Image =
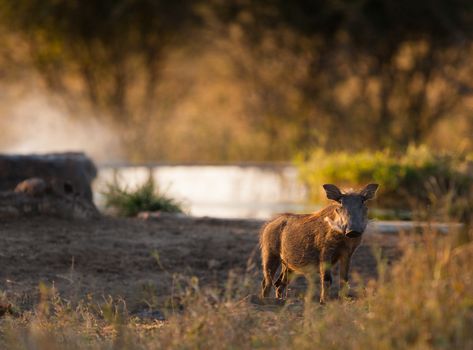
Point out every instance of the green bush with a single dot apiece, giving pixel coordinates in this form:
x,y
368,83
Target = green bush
x,y
145,198
418,179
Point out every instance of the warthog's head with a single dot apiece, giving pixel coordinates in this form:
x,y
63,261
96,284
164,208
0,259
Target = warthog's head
x,y
351,217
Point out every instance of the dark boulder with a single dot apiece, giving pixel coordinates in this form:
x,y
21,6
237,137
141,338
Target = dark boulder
x,y
52,185
65,172
17,204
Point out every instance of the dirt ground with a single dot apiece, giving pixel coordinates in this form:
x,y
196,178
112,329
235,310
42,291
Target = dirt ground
x,y
140,260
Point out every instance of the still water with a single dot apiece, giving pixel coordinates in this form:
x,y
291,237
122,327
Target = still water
x,y
227,191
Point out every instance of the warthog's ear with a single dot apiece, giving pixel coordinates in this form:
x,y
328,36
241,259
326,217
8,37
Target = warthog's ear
x,y
332,192
369,191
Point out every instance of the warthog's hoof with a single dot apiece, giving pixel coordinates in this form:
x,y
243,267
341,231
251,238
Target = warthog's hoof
x,y
258,300
6,308
347,295
155,315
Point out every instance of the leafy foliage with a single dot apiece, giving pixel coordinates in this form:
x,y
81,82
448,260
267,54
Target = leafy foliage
x,y
416,178
145,198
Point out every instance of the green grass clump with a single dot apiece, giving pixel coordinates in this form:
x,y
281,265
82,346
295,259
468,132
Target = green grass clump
x,y
418,178
145,198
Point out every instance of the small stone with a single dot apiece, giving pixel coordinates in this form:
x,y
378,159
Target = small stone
x,y
213,264
155,315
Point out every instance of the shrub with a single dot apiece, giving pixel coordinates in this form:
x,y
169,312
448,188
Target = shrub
x,y
145,198
443,183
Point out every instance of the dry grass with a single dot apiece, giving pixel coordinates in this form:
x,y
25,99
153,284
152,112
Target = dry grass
x,y
425,301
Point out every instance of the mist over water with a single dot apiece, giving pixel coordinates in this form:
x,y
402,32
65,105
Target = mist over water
x,y
36,125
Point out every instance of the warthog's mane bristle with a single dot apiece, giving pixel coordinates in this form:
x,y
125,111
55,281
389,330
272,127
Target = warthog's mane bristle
x,y
350,191
320,213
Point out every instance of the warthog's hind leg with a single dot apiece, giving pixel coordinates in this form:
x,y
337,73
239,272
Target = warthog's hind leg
x,y
282,282
270,266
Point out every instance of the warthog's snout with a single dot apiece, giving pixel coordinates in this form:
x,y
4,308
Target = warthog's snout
x,y
355,229
353,234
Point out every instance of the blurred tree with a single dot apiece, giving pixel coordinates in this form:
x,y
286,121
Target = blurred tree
x,y
340,74
377,73
105,53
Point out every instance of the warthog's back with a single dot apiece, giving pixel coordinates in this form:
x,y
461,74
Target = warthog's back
x,y
303,238
294,236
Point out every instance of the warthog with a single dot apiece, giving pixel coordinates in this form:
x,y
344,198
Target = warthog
x,y
307,243
34,186
37,187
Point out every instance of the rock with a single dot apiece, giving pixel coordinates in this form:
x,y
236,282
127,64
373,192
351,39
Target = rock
x,y
158,215
213,264
52,185
17,204
64,172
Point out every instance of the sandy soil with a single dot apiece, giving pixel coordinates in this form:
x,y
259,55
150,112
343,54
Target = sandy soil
x,y
139,259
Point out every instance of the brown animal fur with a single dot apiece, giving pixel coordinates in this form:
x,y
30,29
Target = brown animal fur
x,y
34,186
307,243
37,187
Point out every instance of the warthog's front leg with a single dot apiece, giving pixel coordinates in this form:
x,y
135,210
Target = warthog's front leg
x,y
325,279
345,260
